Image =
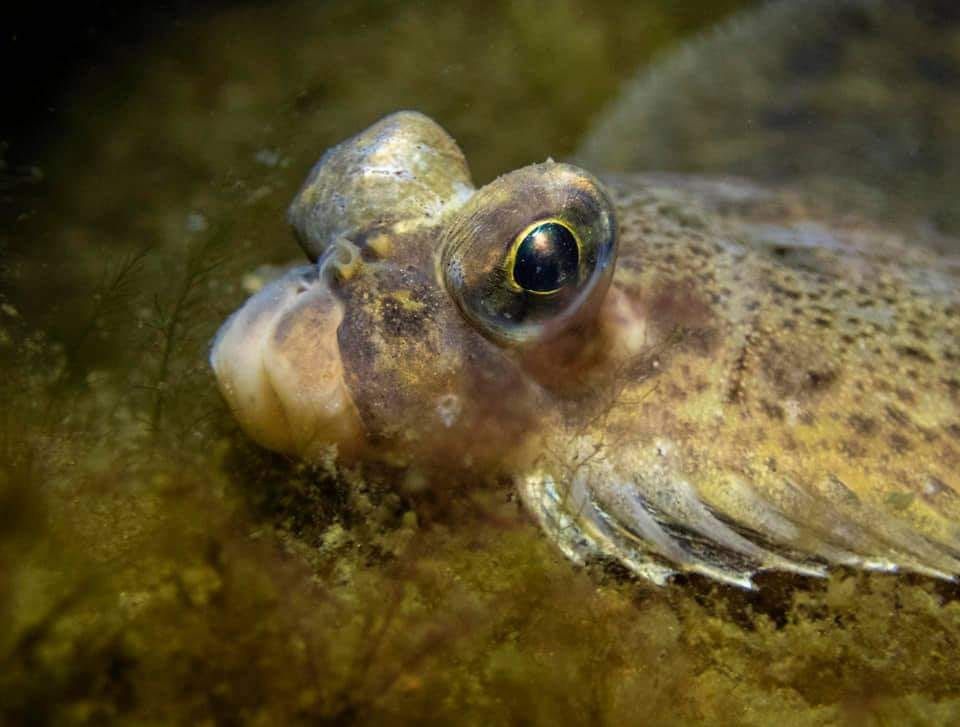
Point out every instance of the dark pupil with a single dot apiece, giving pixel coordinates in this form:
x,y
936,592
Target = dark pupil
x,y
546,259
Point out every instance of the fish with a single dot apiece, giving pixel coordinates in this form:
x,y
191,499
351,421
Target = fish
x,y
680,372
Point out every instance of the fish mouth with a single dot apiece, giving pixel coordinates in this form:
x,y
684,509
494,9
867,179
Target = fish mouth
x,y
278,365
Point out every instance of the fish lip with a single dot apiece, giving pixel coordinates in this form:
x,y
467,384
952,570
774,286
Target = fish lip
x,y
278,365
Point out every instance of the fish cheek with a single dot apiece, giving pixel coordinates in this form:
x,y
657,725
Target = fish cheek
x,y
429,389
508,408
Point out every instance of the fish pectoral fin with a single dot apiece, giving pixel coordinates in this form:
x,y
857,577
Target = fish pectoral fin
x,y
656,510
660,524
591,518
827,523
570,519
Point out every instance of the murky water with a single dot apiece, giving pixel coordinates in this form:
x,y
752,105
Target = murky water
x,y
156,567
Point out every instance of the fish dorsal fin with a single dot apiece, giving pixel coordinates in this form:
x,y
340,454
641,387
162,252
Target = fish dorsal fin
x,y
858,99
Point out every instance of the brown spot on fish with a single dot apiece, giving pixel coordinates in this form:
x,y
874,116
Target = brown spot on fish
x,y
864,425
897,416
916,353
899,443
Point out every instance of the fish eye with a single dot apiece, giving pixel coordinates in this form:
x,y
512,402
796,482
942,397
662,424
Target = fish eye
x,y
544,257
531,254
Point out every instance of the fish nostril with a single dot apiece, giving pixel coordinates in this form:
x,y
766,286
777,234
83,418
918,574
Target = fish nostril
x,y
341,258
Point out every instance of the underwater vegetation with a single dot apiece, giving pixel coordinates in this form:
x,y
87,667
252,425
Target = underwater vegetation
x,y
158,568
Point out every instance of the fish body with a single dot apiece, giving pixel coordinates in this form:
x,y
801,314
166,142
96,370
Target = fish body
x,y
786,395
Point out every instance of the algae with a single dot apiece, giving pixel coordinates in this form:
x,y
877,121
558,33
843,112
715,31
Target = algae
x,y
157,568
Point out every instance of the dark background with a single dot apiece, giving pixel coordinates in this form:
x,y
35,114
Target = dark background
x,y
45,49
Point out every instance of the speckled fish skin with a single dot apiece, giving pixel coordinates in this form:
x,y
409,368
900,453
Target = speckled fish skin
x,y
795,400
829,422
